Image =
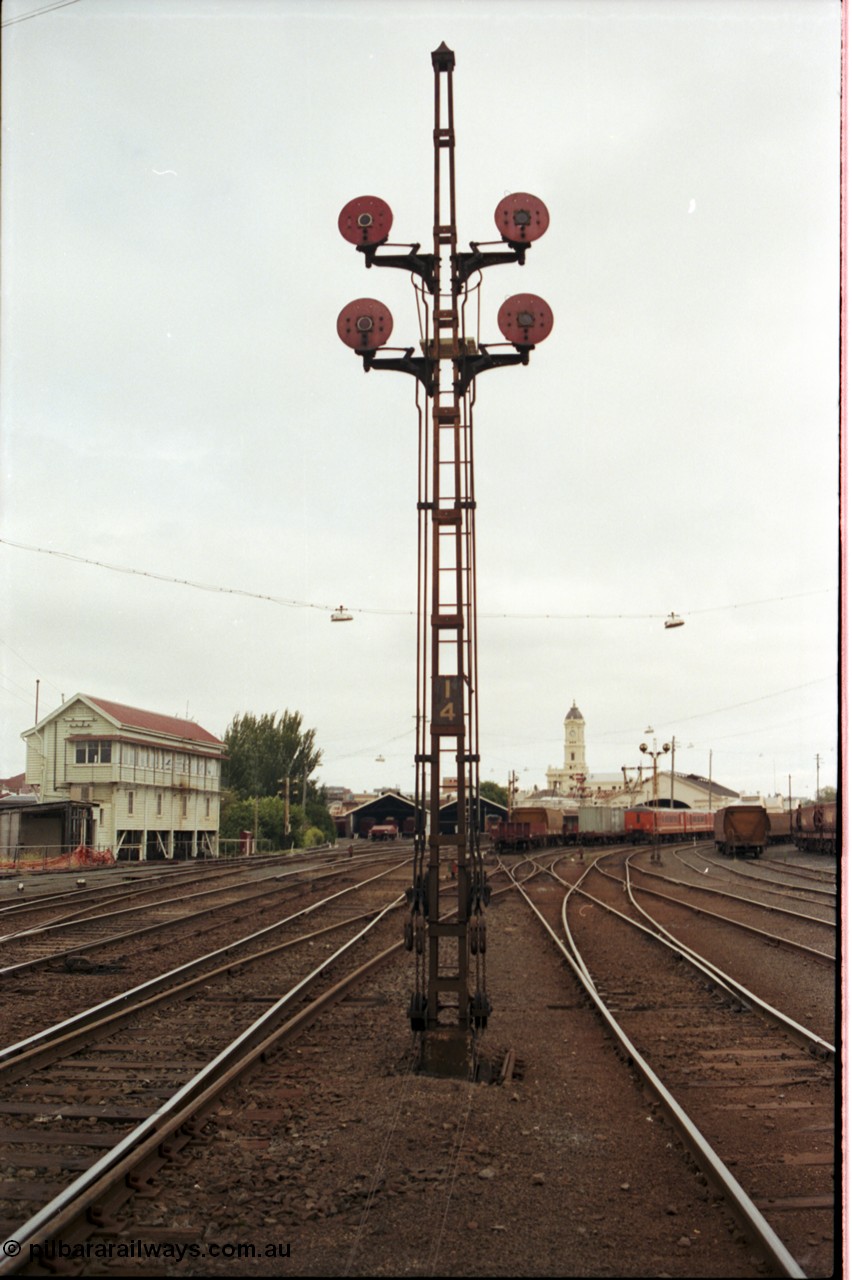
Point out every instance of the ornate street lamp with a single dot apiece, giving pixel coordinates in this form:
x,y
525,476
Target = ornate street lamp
x,y
655,754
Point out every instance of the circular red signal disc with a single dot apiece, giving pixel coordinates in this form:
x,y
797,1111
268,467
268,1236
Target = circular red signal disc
x,y
365,324
521,218
365,220
525,319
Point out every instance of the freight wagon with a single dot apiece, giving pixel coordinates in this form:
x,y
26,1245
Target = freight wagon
x,y
599,824
781,826
815,827
642,825
742,828
530,827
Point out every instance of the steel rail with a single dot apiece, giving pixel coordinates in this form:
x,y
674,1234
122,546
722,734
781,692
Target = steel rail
x,y
137,997
703,1153
68,1042
716,975
787,943
799,869
144,881
133,876
201,1090
782,1019
735,897
79,917
103,897
774,886
95,944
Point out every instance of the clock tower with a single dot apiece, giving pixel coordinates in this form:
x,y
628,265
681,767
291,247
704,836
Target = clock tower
x,y
575,743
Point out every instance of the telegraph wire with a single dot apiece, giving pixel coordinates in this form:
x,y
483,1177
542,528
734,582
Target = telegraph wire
x,y
701,715
407,613
37,13
163,577
13,692
27,663
685,613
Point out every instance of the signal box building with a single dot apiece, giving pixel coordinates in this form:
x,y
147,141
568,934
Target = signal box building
x,y
153,780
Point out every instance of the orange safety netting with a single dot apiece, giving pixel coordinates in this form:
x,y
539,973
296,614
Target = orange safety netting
x,y
69,860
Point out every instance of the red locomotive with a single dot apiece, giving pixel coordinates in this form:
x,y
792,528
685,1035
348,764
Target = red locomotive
x,y
387,830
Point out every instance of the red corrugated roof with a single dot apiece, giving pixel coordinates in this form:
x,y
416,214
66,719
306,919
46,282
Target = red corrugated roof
x,y
134,718
16,785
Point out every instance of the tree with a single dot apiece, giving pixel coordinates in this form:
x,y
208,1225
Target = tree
x,y
493,791
240,814
827,794
264,749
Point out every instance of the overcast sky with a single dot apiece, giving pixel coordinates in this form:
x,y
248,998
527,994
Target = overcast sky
x,y
176,400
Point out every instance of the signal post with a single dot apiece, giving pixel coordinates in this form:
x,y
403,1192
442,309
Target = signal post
x,y
446,930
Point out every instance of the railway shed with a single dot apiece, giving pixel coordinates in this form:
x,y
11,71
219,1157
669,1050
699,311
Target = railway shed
x,y
487,809
29,829
392,806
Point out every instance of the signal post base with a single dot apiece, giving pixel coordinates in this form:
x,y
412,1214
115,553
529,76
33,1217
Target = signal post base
x,y
447,1052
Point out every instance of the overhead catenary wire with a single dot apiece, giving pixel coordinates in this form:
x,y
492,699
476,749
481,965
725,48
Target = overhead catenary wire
x,y
386,612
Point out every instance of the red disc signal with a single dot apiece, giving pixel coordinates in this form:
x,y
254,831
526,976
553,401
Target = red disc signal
x,y
521,217
365,220
525,319
365,324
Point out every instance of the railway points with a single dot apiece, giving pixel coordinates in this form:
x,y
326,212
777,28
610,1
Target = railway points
x,y
333,1141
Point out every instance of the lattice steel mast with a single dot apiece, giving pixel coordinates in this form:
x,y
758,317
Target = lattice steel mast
x,y
450,998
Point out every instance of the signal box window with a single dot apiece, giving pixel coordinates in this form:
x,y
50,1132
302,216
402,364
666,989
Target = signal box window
x,y
93,753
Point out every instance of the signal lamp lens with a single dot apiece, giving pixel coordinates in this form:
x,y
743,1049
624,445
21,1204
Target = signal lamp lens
x,y
521,218
365,324
525,319
366,220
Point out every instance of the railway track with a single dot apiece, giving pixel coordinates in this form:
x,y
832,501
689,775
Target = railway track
x,y
780,926
785,956
106,1094
820,870
765,883
104,917
64,939
370,1169
755,1106
372,1172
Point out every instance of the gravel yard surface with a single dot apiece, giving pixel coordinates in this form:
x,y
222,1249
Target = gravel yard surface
x,y
337,1150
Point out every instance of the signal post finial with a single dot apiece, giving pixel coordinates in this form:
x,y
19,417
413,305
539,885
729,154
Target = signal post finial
x,y
443,59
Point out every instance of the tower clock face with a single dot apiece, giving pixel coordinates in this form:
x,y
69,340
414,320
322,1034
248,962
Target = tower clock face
x,y
572,736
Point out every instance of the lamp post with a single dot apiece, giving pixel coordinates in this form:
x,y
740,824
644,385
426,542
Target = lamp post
x,y
674,744
655,754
